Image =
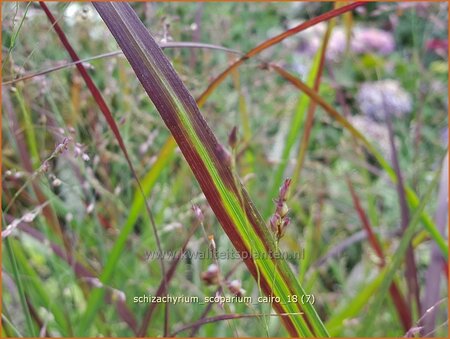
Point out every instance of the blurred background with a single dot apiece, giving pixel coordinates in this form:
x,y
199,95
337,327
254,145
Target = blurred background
x,y
68,191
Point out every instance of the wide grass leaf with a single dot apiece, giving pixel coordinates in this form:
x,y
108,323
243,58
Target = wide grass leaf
x,y
209,162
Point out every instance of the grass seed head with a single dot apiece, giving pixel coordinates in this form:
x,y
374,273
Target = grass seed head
x,y
279,220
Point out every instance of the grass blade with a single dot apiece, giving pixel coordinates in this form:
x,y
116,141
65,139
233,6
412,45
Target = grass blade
x,y
352,309
397,297
410,261
208,160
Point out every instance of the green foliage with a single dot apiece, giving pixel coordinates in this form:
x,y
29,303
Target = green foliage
x,y
97,204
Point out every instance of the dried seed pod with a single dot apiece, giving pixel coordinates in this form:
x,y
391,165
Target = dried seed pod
x,y
56,182
211,275
235,287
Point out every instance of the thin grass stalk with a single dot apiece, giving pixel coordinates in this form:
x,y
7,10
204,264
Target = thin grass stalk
x,y
12,43
32,282
29,129
43,331
9,325
296,123
28,166
163,45
245,125
308,238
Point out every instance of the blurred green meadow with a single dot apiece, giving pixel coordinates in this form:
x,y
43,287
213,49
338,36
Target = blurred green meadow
x,y
67,189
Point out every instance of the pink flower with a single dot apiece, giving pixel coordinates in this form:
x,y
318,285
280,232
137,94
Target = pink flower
x,y
385,97
363,40
372,40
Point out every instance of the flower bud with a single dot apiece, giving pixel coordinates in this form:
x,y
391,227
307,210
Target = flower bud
x,y
235,288
211,276
198,213
275,222
284,189
282,209
232,138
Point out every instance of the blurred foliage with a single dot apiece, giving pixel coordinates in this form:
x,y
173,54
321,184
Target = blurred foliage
x,y
95,189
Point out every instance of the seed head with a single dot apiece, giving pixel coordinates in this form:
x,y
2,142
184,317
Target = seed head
x,y
235,287
279,220
211,275
284,189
